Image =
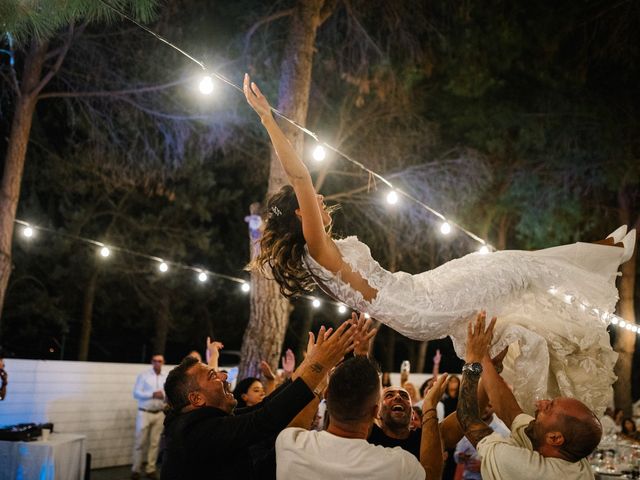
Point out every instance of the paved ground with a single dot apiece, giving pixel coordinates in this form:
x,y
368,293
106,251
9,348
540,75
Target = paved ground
x,y
113,473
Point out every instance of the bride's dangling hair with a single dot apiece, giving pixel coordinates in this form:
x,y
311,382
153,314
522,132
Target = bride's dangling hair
x,y
282,245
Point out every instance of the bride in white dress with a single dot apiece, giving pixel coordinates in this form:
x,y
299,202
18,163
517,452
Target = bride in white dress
x,y
551,304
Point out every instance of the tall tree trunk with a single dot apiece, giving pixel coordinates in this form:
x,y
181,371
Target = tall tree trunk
x,y
421,358
16,153
87,316
269,314
161,327
625,343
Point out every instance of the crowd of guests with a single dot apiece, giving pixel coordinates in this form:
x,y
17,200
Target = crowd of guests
x,y
332,417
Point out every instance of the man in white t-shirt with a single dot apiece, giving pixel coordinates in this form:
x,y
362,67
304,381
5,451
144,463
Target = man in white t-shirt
x,y
553,445
342,451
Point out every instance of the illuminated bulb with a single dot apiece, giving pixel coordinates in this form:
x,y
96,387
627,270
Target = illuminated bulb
x,y
163,267
202,277
245,287
342,309
483,250
392,197
628,326
319,153
445,228
105,252
315,303
614,320
622,323
367,316
206,85
634,329
27,232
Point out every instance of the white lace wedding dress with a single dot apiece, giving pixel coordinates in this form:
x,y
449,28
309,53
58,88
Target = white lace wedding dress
x,y
551,306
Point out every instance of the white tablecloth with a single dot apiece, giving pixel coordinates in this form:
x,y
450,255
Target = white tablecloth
x,y
62,457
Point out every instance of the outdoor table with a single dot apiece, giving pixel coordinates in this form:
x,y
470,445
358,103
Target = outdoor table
x,y
61,457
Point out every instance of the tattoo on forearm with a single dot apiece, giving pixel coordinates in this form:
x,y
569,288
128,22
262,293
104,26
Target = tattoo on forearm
x,y
316,368
469,413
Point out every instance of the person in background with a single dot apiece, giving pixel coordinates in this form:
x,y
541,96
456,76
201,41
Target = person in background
x,y
249,392
149,392
629,430
609,426
4,380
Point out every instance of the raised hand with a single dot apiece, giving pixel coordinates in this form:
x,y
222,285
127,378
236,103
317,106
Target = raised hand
x,y
437,357
364,334
330,347
479,338
266,371
288,362
255,98
213,352
433,395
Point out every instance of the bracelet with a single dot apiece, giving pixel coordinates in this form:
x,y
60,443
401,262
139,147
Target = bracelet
x,y
425,420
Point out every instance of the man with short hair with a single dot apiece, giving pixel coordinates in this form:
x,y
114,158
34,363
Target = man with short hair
x,y
342,451
553,444
149,392
206,438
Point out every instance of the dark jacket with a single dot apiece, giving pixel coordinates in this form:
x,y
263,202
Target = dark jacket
x,y
210,444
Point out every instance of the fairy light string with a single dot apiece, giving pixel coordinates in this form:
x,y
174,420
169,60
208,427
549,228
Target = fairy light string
x,y
311,134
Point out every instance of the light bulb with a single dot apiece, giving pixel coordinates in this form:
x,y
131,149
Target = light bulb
x,y
206,85
614,320
367,316
163,267
342,309
483,250
245,287
105,252
622,323
392,197
315,303
628,326
27,232
445,228
319,153
202,277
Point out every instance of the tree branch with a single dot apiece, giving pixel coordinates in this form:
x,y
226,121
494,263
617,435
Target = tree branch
x,y
262,21
58,63
112,93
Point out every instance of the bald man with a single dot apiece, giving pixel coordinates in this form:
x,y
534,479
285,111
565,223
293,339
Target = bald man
x,y
553,444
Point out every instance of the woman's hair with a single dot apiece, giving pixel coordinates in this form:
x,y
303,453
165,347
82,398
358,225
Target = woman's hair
x,y
282,245
624,425
243,387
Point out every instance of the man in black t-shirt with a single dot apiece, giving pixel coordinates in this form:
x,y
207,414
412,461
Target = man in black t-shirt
x,y
395,419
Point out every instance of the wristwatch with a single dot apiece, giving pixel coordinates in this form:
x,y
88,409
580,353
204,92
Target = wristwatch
x,y
474,368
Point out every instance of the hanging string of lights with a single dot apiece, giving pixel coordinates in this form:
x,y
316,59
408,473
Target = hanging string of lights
x,y
29,232
206,87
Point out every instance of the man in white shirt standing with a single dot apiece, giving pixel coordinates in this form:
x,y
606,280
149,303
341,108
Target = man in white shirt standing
x,y
342,451
149,392
553,445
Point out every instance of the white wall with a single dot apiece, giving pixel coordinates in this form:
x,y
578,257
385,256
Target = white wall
x,y
93,399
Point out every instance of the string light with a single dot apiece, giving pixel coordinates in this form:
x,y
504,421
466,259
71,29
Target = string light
x,y
445,228
483,250
206,85
319,153
342,309
163,267
105,252
27,232
313,135
202,277
245,287
316,303
392,197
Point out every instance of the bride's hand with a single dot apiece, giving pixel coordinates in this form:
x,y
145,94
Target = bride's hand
x,y
255,98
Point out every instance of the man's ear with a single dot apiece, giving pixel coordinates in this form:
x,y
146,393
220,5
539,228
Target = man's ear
x,y
297,212
196,399
555,439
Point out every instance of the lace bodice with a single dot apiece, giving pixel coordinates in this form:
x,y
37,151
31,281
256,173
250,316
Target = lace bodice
x,y
557,344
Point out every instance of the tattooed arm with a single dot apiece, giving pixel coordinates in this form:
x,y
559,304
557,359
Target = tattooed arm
x,y
478,341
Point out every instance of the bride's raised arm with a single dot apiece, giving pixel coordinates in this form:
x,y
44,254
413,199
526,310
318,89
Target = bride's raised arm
x,y
312,225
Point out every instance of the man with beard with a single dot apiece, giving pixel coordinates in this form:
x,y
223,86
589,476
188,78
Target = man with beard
x,y
554,444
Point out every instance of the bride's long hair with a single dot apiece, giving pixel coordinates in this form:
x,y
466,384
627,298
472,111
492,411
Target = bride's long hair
x,y
282,245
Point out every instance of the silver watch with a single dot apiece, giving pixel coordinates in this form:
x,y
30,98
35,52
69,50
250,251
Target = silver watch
x,y
474,368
